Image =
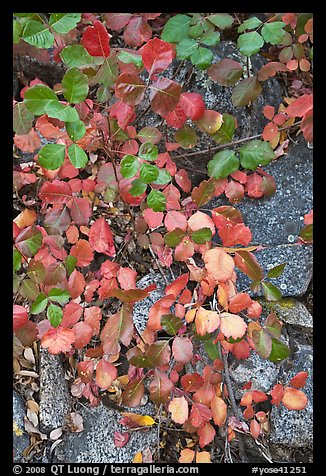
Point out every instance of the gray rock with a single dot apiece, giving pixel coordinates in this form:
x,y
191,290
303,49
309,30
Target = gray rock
x,y
96,443
141,308
19,442
294,280
295,428
55,399
291,312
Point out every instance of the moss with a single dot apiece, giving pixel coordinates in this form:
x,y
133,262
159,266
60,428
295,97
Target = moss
x,y
284,303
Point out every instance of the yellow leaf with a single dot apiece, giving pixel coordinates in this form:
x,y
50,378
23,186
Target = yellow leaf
x,y
141,420
203,457
16,429
138,458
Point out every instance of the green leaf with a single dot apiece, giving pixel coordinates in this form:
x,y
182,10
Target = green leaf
x,y
226,131
52,156
246,91
186,137
129,166
176,29
138,188
103,94
28,289
280,351
39,304
223,164
221,20
70,264
196,30
156,200
276,271
273,325
59,295
271,292
211,349
171,324
163,178
75,55
128,58
38,97
201,236
64,22
255,153
75,86
250,43
174,237
148,151
77,156
273,32
263,343
17,31
210,38
202,58
62,112
186,48
148,173
22,118
55,315
37,34
107,73
307,233
249,24
17,260
75,130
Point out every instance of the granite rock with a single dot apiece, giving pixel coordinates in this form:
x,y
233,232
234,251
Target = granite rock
x,y
291,312
95,444
22,441
55,399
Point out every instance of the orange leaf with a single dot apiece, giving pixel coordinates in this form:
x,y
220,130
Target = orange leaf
x,y
254,428
206,321
299,380
219,264
138,458
105,374
72,234
83,252
28,142
294,399
219,410
179,409
203,457
201,220
58,340
26,218
206,435
232,325
186,456
141,420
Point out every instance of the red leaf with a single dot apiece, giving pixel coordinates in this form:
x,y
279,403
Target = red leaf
x,y
253,185
254,310
116,21
219,264
307,126
241,350
172,196
28,142
131,295
239,302
105,373
205,192
72,234
201,220
234,191
300,106
20,316
164,96
123,113
83,252
127,278
58,340
96,40
176,118
177,286
93,317
259,396
161,307
239,176
175,220
247,262
199,415
160,387
55,192
72,312
238,234
182,179
192,382
121,439
130,88
80,210
206,321
76,284
206,435
254,428
133,393
153,219
27,334
186,456
137,32
182,349
179,409
225,72
270,69
277,394
101,238
269,112
83,334
299,380
192,105
157,55
226,215
85,370
118,328
184,250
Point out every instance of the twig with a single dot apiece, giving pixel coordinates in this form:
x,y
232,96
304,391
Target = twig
x,y
158,265
158,432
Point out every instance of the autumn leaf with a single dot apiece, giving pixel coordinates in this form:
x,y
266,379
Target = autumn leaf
x,y
58,339
105,373
203,457
182,349
157,55
83,252
160,387
232,325
20,316
255,428
206,435
101,238
141,420
206,321
186,455
95,40
179,409
219,410
118,328
200,414
294,399
299,380
218,264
